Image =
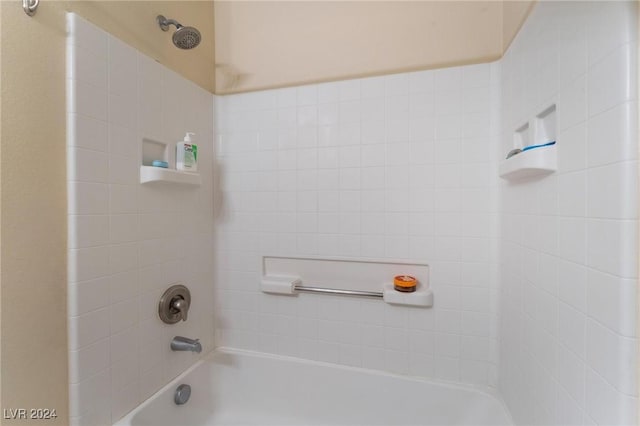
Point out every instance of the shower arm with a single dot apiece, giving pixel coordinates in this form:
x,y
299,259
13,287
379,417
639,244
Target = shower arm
x,y
164,23
30,6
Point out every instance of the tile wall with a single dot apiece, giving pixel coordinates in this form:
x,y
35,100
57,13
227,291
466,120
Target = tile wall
x,y
569,250
534,281
395,167
128,242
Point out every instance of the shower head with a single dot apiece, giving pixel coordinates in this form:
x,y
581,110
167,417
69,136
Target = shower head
x,y
184,37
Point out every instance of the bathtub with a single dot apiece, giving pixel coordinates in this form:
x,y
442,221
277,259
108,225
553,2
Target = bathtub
x,y
231,387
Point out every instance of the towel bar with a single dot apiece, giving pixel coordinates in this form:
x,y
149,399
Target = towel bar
x,y
305,289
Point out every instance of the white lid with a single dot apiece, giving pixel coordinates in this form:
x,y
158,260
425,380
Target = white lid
x,y
187,137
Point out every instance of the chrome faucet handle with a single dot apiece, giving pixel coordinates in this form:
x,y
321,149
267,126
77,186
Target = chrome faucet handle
x,y
174,304
182,306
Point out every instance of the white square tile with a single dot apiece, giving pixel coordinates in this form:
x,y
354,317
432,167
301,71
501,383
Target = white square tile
x,y
349,156
307,115
348,90
571,153
372,113
572,329
476,76
448,102
87,100
349,111
88,328
572,284
447,368
88,231
349,134
447,79
572,104
124,315
88,296
88,263
125,400
572,194
397,84
122,286
372,88
124,372
328,114
610,80
123,257
396,107
571,374
612,356
123,170
122,111
612,191
88,361
609,26
397,130
421,82
87,35
572,49
123,199
123,68
307,95
123,141
569,413
448,127
89,394
615,126
608,248
572,239
606,405
610,301
86,132
125,344
84,65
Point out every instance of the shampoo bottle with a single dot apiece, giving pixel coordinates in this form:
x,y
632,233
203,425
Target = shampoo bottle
x,y
187,154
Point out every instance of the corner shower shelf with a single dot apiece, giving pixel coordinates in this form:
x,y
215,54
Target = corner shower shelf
x,y
150,174
531,163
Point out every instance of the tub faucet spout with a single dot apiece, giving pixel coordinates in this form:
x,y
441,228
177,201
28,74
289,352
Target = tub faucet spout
x,y
180,343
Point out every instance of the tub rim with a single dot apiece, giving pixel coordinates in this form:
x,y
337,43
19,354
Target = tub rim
x,y
491,393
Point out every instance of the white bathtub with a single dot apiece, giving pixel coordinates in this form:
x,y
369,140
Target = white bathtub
x,y
232,387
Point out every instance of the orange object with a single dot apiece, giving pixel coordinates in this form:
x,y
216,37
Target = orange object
x,y
405,283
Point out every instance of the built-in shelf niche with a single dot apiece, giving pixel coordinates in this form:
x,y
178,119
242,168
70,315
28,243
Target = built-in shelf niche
x,y
533,162
153,150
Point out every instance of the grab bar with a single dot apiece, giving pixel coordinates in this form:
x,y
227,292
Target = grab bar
x,y
304,289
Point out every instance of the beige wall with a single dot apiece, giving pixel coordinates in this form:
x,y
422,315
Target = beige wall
x,y
266,44
32,178
32,221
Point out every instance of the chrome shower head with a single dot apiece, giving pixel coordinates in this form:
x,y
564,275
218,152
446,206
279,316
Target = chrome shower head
x,y
184,37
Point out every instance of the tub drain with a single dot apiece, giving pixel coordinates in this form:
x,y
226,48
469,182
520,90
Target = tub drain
x,y
183,392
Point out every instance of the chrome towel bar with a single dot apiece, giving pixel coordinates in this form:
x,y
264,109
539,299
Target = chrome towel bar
x,y
303,289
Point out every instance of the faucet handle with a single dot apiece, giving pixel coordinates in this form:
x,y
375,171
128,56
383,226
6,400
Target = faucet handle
x,y
174,304
182,306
